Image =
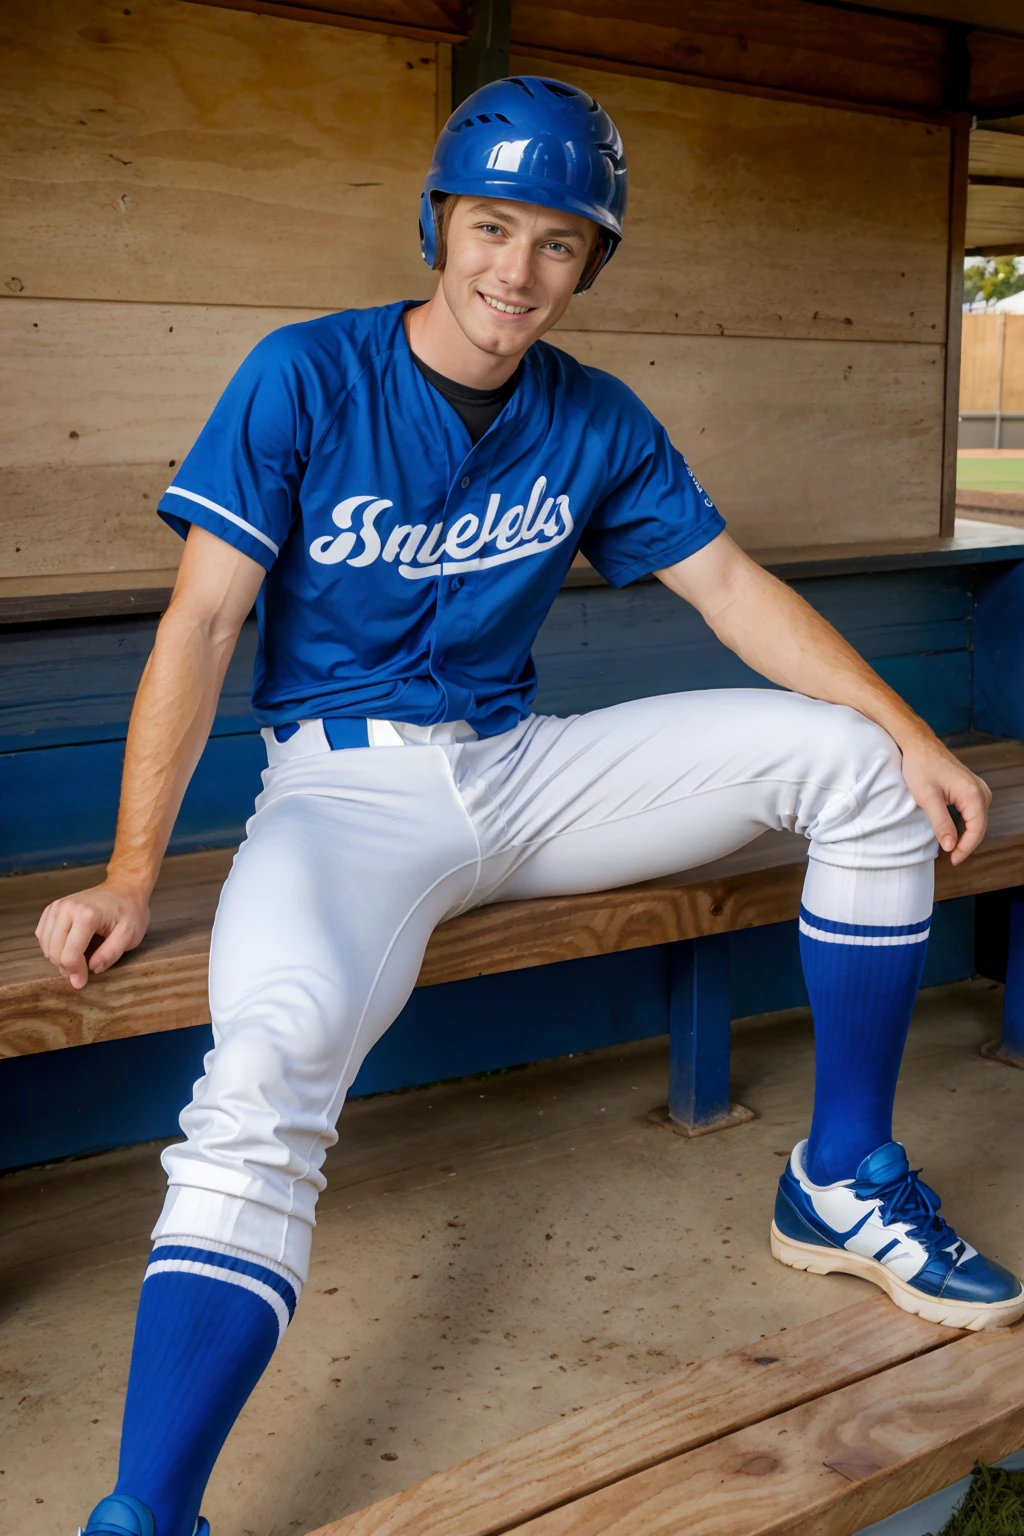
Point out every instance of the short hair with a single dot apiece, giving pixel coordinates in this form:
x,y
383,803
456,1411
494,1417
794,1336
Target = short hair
x,y
444,204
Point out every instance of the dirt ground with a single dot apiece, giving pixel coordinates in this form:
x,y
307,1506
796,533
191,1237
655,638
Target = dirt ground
x,y
491,1254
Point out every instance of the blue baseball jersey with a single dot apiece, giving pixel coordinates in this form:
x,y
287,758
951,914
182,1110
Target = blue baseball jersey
x,y
408,571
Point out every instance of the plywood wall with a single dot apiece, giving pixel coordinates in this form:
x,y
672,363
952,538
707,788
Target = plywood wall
x,y
176,180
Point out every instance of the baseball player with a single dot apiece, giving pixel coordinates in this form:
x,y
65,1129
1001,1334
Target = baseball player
x,y
401,491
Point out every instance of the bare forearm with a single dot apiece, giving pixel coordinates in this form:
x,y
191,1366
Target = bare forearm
x,y
774,631
779,634
174,709
171,720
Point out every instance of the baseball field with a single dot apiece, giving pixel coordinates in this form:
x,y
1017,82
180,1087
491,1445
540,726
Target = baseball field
x,y
1004,473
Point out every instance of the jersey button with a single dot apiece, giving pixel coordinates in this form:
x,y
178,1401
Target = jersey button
x,y
465,481
457,584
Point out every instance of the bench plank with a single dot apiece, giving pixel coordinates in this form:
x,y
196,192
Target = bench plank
x,y
163,984
830,1466
620,1437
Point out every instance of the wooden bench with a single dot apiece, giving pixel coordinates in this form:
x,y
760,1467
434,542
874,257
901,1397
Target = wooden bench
x,y
163,984
817,1431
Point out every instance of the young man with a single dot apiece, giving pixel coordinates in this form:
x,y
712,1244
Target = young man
x,y
401,491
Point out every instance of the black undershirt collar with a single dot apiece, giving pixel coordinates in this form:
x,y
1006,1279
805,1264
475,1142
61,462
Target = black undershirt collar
x,y
478,409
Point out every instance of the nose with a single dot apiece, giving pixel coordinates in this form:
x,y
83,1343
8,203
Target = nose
x,y
514,266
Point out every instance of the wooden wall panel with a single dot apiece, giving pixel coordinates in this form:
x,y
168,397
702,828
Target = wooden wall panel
x,y
168,152
229,172
253,177
61,520
768,218
979,363
89,384
800,441
98,403
797,442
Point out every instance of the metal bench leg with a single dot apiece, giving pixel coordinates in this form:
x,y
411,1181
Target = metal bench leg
x,y
699,1040
1010,1049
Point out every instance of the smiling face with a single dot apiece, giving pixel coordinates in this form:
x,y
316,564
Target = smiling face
x,y
510,270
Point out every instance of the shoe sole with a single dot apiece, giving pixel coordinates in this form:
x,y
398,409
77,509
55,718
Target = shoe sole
x,y
955,1314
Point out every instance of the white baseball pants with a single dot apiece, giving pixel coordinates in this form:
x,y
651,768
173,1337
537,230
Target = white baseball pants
x,y
353,857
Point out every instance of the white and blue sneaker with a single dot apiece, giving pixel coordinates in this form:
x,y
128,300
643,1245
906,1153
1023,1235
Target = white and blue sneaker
x,y
884,1225
121,1515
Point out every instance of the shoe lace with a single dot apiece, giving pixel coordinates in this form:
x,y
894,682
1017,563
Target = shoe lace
x,y
907,1199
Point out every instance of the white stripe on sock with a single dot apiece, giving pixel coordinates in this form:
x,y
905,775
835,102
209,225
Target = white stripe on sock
x,y
230,1277
232,1251
884,940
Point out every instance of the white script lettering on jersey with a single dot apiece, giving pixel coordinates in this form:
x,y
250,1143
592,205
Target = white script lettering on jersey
x,y
515,534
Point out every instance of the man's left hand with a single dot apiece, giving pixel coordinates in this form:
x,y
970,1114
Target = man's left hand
x,y
938,780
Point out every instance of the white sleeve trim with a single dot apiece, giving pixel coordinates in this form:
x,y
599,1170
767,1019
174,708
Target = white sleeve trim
x,y
232,517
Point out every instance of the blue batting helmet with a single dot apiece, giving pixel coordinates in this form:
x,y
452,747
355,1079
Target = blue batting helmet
x,y
535,141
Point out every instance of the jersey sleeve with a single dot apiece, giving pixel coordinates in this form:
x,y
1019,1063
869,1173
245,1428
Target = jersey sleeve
x,y
241,480
657,511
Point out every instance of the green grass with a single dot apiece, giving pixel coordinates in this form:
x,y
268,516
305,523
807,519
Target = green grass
x,y
991,474
992,1506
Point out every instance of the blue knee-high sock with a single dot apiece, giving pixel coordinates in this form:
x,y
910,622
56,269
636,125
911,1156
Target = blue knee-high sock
x,y
862,979
209,1320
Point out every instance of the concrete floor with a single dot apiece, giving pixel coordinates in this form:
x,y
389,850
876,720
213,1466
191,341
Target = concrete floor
x,y
490,1255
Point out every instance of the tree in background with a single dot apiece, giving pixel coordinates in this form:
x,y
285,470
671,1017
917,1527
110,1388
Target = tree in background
x,y
989,278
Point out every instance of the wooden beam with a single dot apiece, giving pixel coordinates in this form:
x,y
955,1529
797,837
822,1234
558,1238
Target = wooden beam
x,y
109,594
997,74
959,146
789,48
91,595
433,21
996,154
484,55
612,1440
995,218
